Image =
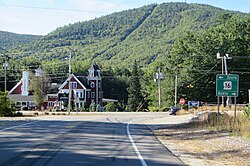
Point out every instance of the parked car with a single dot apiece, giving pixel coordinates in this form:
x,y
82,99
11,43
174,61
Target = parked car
x,y
174,109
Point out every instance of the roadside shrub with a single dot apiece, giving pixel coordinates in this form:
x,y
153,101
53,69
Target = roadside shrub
x,y
83,109
110,107
242,126
247,111
92,107
239,127
153,109
7,108
98,108
226,122
164,109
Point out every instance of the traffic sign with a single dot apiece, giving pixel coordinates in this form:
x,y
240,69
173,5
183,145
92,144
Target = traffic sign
x,y
182,101
227,85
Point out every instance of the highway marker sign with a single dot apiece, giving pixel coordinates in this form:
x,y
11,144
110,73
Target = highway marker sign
x,y
227,85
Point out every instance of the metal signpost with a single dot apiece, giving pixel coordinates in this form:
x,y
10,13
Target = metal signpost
x,y
227,86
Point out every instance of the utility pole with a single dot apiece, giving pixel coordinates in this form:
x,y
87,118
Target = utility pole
x,y
5,74
224,58
159,86
175,96
5,65
159,76
69,102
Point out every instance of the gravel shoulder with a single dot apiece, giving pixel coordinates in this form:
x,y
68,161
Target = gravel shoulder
x,y
197,146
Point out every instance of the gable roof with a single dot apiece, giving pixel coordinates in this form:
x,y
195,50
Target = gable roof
x,y
17,85
83,80
69,78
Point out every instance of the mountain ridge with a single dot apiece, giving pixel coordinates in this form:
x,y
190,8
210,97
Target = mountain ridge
x,y
145,34
10,40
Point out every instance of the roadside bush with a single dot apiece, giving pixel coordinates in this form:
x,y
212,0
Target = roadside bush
x,y
164,109
98,108
83,109
92,107
157,109
243,126
7,108
247,111
153,109
110,107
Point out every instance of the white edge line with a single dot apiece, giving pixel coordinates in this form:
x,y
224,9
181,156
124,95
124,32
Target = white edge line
x,y
18,126
135,147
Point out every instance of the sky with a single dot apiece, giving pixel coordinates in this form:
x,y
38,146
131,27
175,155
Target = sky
x,y
39,17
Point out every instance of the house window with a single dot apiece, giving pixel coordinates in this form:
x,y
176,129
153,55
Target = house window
x,y
50,104
73,85
92,95
92,84
24,104
83,94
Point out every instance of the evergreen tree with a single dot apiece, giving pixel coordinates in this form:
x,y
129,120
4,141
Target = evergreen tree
x,y
7,108
135,100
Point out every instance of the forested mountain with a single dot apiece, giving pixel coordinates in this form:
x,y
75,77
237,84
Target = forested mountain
x,y
145,34
183,39
10,40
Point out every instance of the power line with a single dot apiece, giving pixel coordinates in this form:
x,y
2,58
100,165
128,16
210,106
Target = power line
x,y
17,16
59,9
206,73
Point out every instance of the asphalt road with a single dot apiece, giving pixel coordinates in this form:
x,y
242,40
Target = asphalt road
x,y
105,139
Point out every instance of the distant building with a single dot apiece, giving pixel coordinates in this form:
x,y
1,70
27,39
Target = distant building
x,y
84,91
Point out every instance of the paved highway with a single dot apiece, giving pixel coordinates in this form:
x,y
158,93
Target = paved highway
x,y
101,139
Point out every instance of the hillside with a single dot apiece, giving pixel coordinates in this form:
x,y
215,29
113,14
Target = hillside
x,y
145,34
10,40
183,39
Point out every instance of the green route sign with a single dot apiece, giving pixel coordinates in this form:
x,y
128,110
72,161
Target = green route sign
x,y
227,85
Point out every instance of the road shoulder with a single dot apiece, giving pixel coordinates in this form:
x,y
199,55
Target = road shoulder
x,y
197,146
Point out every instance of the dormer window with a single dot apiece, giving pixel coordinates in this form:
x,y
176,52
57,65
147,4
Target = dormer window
x,y
92,84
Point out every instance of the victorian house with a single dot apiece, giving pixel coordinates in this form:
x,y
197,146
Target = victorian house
x,y
81,91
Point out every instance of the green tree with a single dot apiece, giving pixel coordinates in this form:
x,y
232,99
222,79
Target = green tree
x,y
7,108
41,86
135,100
194,58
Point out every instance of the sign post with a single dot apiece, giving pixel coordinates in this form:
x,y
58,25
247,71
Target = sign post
x,y
227,86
